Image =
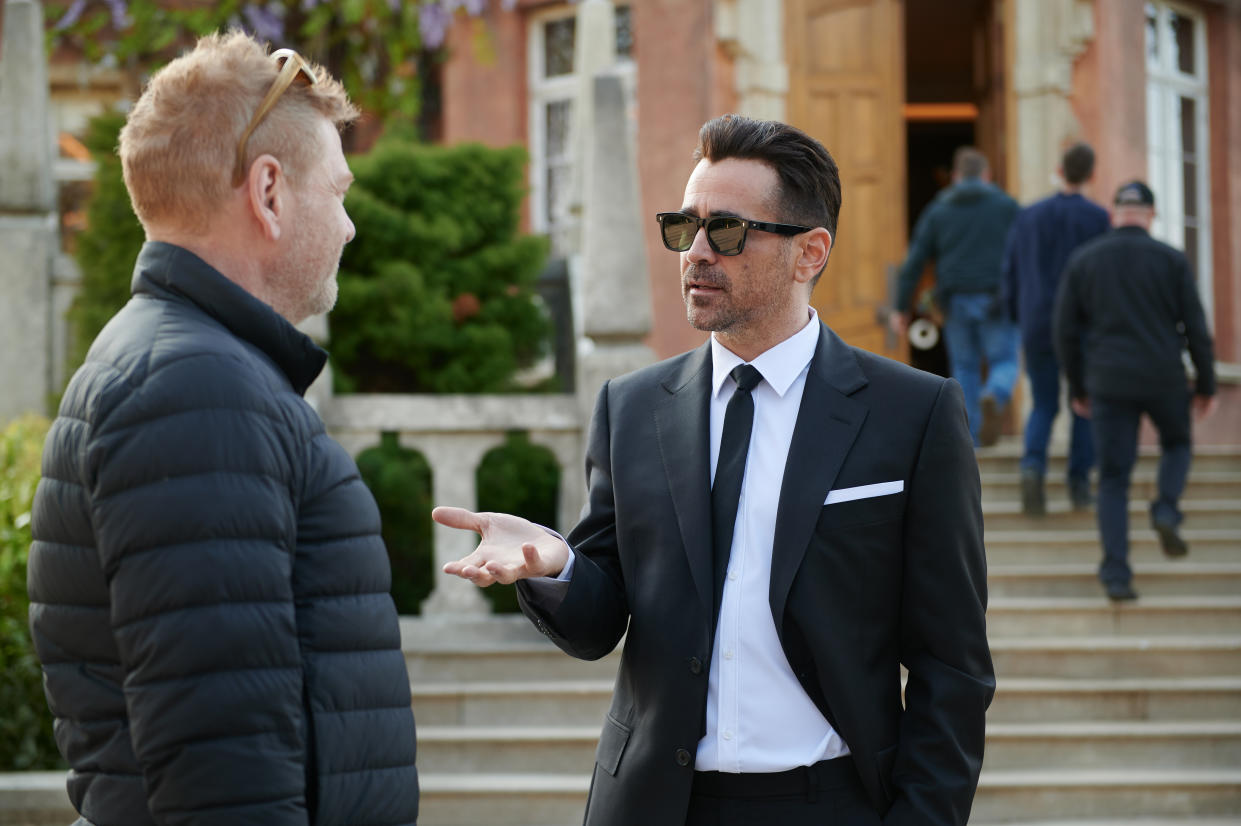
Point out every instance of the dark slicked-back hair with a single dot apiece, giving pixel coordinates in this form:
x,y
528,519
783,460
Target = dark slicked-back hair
x,y
809,180
968,162
1077,163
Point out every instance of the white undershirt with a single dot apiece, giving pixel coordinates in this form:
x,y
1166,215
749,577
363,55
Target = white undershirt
x,y
759,718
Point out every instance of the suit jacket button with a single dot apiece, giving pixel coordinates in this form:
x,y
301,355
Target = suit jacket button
x,y
682,757
695,665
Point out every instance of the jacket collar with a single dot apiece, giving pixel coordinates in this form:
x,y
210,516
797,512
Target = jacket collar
x,y
173,273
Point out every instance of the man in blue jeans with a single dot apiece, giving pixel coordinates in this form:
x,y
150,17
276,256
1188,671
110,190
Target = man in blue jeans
x,y
1039,243
1126,308
963,231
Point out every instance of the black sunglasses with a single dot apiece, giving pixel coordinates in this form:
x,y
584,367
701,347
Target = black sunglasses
x,y
725,234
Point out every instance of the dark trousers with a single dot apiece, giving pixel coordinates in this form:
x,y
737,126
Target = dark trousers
x,y
825,794
1044,373
1115,424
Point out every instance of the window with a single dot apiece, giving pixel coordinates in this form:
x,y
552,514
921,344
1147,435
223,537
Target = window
x,y
1177,135
553,87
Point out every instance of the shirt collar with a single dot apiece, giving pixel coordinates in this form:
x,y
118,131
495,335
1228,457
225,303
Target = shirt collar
x,y
780,365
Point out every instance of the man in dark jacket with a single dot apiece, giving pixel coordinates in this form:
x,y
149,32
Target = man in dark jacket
x,y
209,590
1127,307
1039,244
963,232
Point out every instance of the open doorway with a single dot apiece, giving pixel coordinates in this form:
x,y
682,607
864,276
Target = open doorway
x,y
953,98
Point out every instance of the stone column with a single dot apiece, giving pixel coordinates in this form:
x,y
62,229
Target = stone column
x,y
28,231
454,458
616,299
753,33
1048,36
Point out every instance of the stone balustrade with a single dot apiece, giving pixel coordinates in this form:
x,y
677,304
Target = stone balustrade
x,y
454,433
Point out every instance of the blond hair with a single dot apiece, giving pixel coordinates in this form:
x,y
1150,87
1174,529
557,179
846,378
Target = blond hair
x,y
180,140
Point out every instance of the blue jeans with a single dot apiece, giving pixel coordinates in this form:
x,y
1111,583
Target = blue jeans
x,y
1115,423
1044,373
975,331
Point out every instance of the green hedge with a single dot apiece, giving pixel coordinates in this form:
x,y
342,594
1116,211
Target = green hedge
x,y
436,290
25,722
400,480
522,478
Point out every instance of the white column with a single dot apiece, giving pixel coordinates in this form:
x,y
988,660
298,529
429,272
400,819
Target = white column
x,y
28,230
752,31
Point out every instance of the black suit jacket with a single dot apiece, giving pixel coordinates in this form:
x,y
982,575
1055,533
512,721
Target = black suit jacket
x,y
858,588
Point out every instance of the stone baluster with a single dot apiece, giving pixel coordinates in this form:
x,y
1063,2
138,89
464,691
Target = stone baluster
x,y
454,459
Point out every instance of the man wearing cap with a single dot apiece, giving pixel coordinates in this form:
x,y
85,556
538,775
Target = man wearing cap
x,y
1127,306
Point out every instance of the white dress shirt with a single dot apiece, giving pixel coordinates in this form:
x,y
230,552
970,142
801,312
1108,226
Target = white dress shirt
x,y
759,718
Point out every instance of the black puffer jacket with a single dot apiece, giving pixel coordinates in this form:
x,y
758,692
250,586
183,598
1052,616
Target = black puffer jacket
x,y
209,590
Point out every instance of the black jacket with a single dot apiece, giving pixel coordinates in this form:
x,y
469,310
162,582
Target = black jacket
x,y
963,231
209,590
858,588
1128,305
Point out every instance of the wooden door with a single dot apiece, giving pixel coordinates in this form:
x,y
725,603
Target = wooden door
x,y
847,88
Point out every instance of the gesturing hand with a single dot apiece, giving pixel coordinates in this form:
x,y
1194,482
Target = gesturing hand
x,y
512,548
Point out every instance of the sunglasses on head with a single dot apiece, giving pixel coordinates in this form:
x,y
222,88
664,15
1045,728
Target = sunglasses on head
x,y
292,67
725,234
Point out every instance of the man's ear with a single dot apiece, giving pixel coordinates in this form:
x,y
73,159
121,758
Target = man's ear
x,y
267,195
814,247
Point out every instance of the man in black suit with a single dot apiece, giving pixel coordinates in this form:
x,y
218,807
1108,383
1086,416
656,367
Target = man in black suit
x,y
776,522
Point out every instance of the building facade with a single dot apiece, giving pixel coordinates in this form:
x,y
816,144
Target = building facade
x,y
891,87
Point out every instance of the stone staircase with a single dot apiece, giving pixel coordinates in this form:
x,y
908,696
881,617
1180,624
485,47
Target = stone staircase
x,y
1105,714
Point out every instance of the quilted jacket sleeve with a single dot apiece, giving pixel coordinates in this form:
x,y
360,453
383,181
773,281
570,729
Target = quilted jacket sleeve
x,y
191,480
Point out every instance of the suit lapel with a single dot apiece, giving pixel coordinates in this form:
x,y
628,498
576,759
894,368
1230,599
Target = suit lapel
x,y
682,427
827,425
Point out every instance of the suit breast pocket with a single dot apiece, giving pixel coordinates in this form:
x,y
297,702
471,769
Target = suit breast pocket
x,y
856,513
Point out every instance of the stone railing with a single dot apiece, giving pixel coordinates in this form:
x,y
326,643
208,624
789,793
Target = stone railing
x,y
454,433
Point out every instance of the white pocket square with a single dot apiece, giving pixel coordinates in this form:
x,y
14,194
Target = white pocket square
x,y
864,491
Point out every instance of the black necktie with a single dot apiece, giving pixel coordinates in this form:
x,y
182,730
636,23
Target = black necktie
x,y
729,471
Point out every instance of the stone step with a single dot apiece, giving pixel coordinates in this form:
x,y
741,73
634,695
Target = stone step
x,y
1181,577
509,799
1043,699
1199,513
1116,657
1206,484
1053,543
555,702
1017,795
552,749
1005,457
1096,616
1144,821
1085,744
1137,744
516,661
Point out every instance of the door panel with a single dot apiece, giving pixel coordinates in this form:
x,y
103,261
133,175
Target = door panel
x,y
846,88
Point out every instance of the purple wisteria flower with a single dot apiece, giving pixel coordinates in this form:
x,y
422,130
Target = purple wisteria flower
x,y
120,14
71,15
265,24
433,22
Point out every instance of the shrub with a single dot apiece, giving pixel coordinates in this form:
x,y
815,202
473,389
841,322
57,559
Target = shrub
x,y
108,246
436,291
521,478
25,722
400,480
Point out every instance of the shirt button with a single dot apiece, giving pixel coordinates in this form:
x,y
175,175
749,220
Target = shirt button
x,y
732,575
682,757
695,665
728,655
728,735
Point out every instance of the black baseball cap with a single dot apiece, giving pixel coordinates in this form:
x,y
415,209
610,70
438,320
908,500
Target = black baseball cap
x,y
1134,193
